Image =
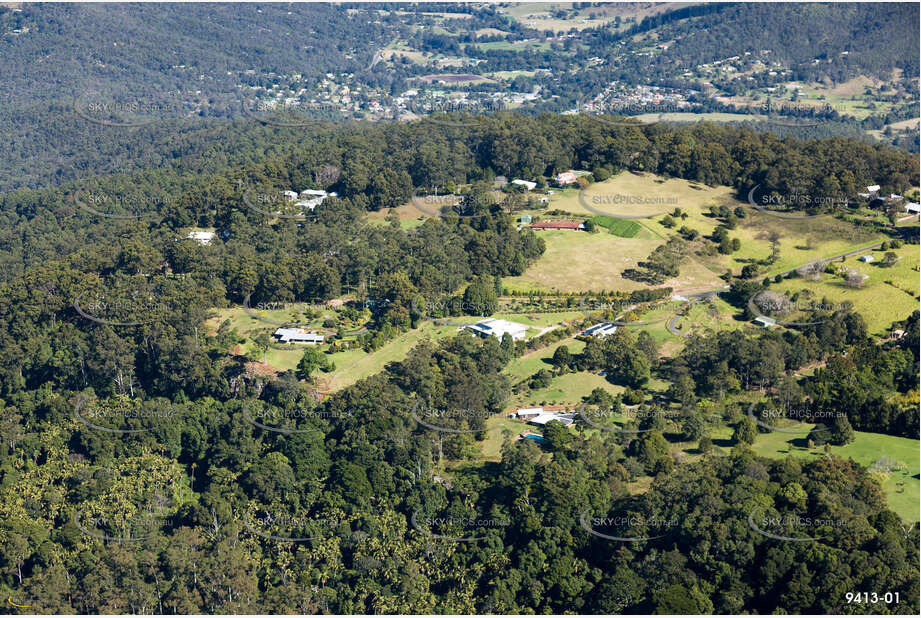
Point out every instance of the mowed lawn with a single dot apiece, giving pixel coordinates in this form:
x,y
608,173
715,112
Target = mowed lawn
x,y
801,240
532,362
354,365
901,487
878,302
568,388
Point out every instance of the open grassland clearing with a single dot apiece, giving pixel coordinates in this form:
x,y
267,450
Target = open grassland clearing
x,y
847,99
536,320
412,55
713,314
499,429
900,486
409,216
800,240
540,15
580,262
879,303
532,45
619,195
440,15
353,364
510,75
303,315
528,364
566,389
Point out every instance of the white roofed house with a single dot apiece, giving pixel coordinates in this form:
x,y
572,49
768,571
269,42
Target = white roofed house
x,y
311,198
530,186
913,207
497,328
526,412
602,329
546,417
565,178
202,237
297,335
309,204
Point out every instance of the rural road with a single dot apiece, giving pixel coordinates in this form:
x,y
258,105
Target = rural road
x,y
697,298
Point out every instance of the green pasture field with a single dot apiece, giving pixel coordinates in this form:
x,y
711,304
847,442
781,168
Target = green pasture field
x,y
568,388
901,487
879,303
529,364
624,228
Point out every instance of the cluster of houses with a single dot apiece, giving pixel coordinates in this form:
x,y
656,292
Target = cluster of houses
x,y
893,199
631,100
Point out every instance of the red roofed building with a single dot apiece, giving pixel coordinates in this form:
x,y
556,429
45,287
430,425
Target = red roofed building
x,y
557,225
565,178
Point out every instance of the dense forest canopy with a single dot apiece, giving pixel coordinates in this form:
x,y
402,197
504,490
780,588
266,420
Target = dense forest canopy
x,y
142,392
149,466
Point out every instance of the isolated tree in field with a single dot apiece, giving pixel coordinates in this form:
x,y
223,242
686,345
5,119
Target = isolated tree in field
x,y
773,302
841,431
312,360
811,271
818,436
854,279
693,427
889,259
682,389
263,342
705,445
749,271
603,399
745,432
774,237
562,358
